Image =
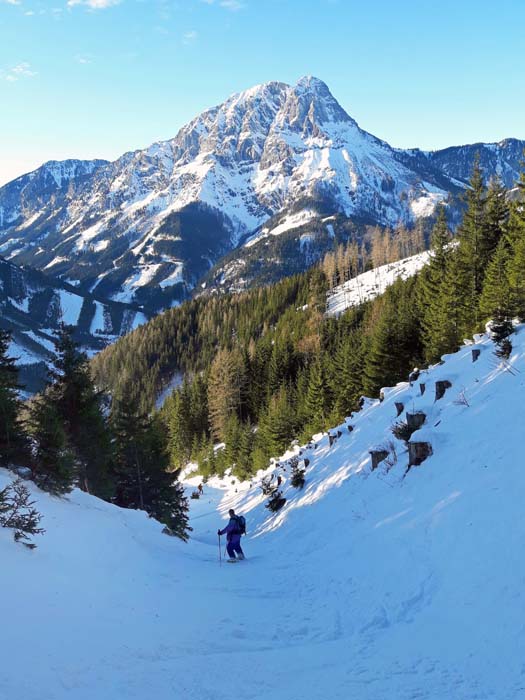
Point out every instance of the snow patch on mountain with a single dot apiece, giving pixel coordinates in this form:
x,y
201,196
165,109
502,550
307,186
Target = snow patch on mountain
x,y
289,222
70,307
372,283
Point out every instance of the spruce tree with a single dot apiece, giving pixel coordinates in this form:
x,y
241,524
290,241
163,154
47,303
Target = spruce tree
x,y
477,238
347,373
141,475
277,426
226,389
79,405
381,364
516,235
496,297
316,402
13,440
452,312
429,284
496,218
179,434
53,460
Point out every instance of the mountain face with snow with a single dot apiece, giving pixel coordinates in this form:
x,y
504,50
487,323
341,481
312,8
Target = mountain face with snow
x,y
32,307
47,187
149,225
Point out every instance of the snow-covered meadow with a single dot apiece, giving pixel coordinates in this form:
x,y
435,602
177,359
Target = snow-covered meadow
x,y
367,584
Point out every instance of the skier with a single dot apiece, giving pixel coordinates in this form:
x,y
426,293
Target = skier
x,y
233,532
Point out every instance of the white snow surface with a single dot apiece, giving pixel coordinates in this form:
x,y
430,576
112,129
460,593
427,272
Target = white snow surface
x,y
371,284
23,356
175,382
98,323
366,585
71,306
289,222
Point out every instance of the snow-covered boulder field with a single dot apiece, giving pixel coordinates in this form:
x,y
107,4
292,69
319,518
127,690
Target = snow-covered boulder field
x,y
373,585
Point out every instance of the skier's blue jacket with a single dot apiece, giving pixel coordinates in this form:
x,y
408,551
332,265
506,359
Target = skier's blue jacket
x,y
232,531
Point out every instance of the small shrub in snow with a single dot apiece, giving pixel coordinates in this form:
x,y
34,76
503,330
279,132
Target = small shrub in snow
x,y
17,512
276,501
391,460
297,474
503,349
267,487
461,399
402,431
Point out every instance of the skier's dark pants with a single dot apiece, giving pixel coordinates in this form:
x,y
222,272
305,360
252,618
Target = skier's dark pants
x,y
234,545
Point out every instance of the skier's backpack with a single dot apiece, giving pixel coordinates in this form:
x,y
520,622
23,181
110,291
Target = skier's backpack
x,y
241,524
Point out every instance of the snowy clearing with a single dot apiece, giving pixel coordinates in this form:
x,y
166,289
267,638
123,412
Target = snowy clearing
x,y
371,284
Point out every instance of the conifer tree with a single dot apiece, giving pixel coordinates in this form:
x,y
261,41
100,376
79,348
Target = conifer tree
x,y
475,241
179,434
53,460
495,219
141,475
381,364
452,311
198,398
347,373
226,389
430,281
244,451
79,406
277,426
13,440
316,406
496,297
516,235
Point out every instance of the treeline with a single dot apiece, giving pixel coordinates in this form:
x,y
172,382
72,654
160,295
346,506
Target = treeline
x,y
72,435
264,367
379,247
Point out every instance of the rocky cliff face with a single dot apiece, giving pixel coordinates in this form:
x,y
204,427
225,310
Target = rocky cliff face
x,y
146,227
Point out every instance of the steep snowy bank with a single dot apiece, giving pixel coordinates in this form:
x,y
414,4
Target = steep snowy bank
x,y
366,585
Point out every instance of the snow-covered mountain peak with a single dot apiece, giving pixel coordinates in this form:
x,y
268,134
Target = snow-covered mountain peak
x,y
309,105
160,217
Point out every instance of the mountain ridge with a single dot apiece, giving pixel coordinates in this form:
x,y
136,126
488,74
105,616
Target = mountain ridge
x,y
148,226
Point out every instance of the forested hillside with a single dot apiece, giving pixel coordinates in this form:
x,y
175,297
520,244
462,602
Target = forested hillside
x,y
265,366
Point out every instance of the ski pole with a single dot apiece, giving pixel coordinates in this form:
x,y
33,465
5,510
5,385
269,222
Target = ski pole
x,y
220,552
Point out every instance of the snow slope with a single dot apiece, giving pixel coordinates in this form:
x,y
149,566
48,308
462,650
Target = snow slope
x,y
371,284
366,585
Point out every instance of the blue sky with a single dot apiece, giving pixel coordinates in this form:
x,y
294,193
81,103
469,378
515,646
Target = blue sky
x,y
94,78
